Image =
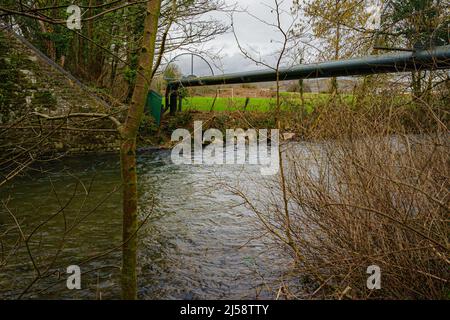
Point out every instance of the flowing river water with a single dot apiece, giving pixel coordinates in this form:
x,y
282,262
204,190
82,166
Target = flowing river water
x,y
199,242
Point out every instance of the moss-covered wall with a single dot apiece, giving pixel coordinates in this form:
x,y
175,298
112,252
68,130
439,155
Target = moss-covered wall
x,y
29,84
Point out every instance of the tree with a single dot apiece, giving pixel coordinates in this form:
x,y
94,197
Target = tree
x,y
105,51
129,133
336,23
416,24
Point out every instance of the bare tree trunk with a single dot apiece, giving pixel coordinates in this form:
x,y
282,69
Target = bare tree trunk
x,y
128,150
49,45
301,89
334,83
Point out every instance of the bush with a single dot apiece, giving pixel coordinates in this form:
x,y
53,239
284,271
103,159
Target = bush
x,y
148,126
179,120
370,194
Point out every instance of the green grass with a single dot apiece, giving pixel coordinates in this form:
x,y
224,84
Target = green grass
x,y
227,104
288,101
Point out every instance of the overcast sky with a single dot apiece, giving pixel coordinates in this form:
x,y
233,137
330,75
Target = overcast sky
x,y
254,36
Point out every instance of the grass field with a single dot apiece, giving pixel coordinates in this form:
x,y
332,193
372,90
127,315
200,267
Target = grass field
x,y
289,100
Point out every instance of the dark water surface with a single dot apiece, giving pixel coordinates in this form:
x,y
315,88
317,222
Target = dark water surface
x,y
195,244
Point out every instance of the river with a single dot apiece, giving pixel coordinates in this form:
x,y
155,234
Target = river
x,y
198,241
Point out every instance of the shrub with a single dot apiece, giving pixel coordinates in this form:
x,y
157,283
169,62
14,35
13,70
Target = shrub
x,y
370,193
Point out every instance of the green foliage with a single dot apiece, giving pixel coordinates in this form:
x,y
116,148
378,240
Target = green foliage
x,y
104,52
172,72
13,84
148,126
179,120
421,23
183,92
61,40
44,99
336,24
129,74
3,45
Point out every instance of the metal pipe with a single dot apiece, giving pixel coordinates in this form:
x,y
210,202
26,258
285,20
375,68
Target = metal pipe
x,y
436,58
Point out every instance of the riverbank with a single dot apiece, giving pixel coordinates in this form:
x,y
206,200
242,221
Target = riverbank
x,y
307,121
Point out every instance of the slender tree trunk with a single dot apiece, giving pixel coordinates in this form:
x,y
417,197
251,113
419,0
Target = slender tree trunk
x,y
301,89
128,150
334,82
80,55
49,45
90,48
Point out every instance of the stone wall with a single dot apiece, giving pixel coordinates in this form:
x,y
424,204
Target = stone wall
x,y
29,84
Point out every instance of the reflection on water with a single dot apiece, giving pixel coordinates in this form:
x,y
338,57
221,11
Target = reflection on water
x,y
194,246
